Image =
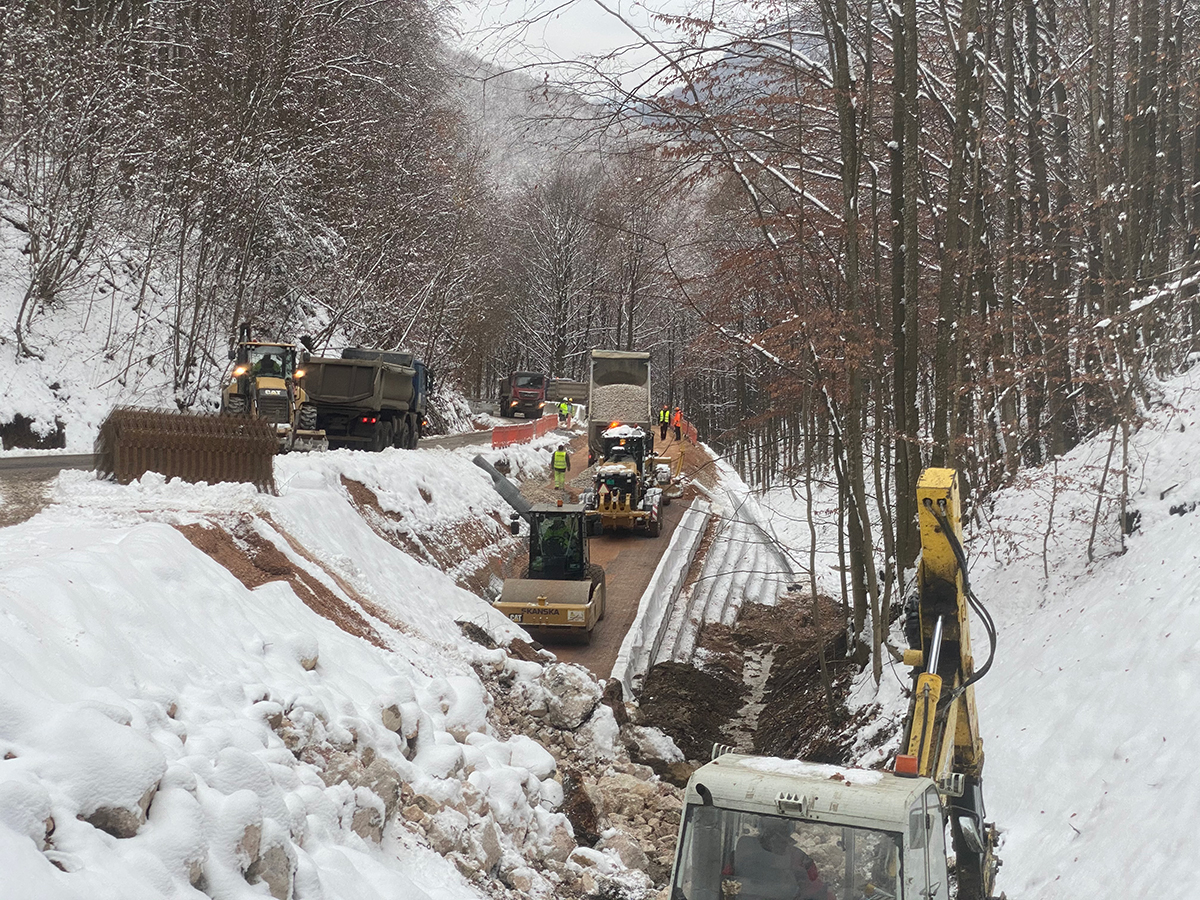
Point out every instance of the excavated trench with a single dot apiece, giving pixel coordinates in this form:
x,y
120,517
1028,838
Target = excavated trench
x,y
757,686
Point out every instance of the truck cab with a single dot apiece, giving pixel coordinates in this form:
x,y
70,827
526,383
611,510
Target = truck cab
x,y
522,394
763,828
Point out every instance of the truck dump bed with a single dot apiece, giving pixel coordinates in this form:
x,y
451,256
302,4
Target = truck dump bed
x,y
371,379
619,391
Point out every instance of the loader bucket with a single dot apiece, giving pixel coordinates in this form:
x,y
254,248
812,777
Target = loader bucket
x,y
190,446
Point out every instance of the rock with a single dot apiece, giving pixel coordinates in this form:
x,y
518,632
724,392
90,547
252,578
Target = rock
x,y
561,845
477,634
121,821
367,823
341,766
614,698
589,884
466,866
276,868
446,831
485,842
583,805
627,795
627,849
572,695
520,880
384,782
651,747
392,718
413,813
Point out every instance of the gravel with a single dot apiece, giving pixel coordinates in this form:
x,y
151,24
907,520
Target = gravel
x,y
620,403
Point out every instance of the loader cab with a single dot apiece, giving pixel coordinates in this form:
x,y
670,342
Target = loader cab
x,y
558,545
625,444
757,827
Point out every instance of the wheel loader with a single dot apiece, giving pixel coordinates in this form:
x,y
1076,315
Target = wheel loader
x,y
268,383
561,594
860,833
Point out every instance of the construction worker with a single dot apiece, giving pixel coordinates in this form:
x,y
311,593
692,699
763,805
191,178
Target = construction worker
x,y
561,463
564,411
664,419
677,421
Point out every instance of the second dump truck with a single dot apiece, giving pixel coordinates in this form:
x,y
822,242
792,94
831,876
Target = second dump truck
x,y
369,399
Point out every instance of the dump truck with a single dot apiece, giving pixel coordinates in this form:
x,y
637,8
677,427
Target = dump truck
x,y
521,394
268,382
561,594
369,399
566,389
618,394
626,493
758,827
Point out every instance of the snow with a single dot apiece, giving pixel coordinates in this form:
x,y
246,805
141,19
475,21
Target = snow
x,y
773,766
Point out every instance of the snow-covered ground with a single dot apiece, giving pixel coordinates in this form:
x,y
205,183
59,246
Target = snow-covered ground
x,y
1089,712
268,742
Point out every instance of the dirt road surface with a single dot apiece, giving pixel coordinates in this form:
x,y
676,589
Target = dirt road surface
x,y
629,558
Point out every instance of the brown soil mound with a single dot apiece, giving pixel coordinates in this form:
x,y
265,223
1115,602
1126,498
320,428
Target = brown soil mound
x,y
690,705
711,703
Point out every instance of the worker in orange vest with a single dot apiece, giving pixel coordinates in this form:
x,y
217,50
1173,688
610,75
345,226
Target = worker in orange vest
x,y
677,421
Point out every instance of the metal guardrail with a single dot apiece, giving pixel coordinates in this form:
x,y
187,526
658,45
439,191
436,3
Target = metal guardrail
x,y
193,447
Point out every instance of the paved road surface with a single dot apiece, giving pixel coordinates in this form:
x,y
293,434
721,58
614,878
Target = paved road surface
x,y
629,559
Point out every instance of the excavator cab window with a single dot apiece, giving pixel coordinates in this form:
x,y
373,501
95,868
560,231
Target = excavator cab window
x,y
725,853
556,546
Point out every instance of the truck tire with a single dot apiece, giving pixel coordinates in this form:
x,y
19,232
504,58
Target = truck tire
x,y
307,419
381,437
414,432
235,406
401,439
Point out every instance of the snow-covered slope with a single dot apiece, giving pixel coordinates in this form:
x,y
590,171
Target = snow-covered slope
x,y
276,699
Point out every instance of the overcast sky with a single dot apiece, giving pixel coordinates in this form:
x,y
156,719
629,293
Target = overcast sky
x,y
523,32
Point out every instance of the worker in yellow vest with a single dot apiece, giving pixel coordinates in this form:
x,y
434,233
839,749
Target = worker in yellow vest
x,y
564,412
664,420
561,463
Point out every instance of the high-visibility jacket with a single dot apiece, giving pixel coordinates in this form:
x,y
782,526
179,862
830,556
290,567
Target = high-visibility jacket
x,y
678,417
564,408
664,416
561,463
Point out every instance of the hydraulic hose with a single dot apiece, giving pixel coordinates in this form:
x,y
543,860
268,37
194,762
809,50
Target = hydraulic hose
x,y
980,610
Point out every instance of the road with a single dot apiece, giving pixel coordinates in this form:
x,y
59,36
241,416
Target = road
x,y
629,559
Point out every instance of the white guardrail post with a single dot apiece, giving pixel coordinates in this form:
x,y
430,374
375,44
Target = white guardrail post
x,y
654,609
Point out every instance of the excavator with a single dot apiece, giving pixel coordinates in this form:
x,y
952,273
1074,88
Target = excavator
x,y
763,828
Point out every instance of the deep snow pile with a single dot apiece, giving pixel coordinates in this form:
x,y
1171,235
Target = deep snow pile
x,y
1087,715
166,731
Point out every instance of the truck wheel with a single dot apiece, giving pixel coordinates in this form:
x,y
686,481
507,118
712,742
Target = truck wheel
x,y
381,437
235,406
307,419
414,433
401,439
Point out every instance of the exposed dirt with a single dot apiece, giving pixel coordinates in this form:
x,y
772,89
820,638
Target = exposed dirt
x,y
254,561
23,495
758,686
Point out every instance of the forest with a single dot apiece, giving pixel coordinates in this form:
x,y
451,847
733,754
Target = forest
x,y
858,237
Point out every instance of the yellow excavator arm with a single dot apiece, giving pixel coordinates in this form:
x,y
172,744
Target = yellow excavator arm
x,y
942,738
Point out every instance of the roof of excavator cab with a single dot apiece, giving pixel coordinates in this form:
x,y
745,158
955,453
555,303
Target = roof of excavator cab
x,y
861,797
